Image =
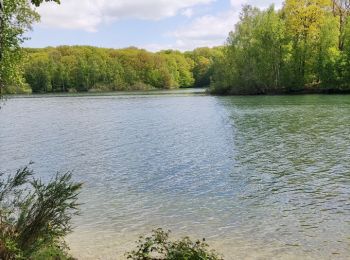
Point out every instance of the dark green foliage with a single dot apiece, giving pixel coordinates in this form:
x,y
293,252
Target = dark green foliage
x,y
35,215
159,247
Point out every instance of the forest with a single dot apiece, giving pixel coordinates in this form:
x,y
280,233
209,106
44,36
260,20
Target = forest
x,y
304,47
92,69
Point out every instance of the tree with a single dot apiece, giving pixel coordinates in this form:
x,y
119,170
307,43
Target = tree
x,y
345,60
203,59
328,55
254,56
304,20
85,68
302,47
16,18
341,9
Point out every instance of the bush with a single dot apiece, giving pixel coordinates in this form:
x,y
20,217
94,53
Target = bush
x,y
158,247
52,253
35,216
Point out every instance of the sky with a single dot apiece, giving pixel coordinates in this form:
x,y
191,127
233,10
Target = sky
x,y
148,24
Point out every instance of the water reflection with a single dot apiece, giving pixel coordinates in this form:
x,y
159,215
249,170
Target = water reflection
x,y
292,158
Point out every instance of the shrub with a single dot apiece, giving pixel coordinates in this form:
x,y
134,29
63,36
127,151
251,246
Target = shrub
x,y
159,247
52,253
34,215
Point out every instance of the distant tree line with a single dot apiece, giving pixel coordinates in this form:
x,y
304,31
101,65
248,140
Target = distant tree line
x,y
85,68
304,47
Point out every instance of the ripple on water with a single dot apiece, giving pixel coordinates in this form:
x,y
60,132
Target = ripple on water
x,y
260,177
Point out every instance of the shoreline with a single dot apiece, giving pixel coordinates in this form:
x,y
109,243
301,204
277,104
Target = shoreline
x,y
289,93
181,91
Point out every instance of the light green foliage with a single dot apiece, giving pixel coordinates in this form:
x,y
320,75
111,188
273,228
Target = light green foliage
x,y
299,48
253,57
203,64
304,20
34,215
328,55
159,247
15,20
344,66
84,68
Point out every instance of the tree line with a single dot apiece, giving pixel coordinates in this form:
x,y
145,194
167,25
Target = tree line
x,y
86,68
304,47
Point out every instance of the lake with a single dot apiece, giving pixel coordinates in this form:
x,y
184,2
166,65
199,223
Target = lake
x,y
259,177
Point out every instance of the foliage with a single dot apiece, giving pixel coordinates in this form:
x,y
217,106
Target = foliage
x,y
203,59
302,47
52,253
35,215
84,68
159,247
16,19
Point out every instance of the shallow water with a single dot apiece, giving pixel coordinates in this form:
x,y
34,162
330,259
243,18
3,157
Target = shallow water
x,y
259,177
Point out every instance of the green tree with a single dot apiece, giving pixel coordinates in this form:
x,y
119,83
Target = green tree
x,y
345,59
327,65
304,20
203,59
302,47
85,68
341,10
254,55
39,76
16,18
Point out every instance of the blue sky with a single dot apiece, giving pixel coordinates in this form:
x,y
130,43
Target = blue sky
x,y
149,24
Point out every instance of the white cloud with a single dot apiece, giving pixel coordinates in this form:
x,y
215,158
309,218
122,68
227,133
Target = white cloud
x,y
89,14
238,3
188,12
259,3
212,30
208,30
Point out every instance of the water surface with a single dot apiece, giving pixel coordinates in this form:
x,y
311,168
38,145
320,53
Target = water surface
x,y
259,177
